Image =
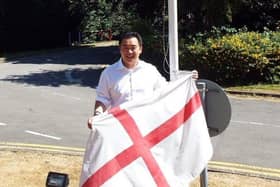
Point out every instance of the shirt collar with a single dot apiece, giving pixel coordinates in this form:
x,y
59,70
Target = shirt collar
x,y
121,66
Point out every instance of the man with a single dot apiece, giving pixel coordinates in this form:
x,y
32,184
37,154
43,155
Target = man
x,y
129,78
164,155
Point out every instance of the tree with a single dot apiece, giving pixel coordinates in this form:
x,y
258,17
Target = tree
x,y
37,24
257,14
107,17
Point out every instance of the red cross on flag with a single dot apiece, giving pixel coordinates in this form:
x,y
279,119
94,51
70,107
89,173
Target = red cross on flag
x,y
162,141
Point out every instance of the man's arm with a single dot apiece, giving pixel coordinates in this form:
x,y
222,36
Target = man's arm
x,y
195,74
99,108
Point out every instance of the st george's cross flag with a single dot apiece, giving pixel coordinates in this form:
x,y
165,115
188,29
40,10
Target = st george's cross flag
x,y
162,141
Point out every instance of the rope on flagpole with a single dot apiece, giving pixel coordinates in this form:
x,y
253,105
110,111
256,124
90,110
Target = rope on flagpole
x,y
165,47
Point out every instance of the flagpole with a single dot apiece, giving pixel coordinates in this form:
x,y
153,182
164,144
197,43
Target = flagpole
x,y
174,60
173,39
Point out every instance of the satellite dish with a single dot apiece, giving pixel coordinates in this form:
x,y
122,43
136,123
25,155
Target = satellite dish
x,y
216,106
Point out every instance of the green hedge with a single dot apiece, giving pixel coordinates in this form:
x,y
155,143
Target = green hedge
x,y
234,58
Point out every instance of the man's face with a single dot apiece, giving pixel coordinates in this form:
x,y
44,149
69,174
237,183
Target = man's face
x,y
130,51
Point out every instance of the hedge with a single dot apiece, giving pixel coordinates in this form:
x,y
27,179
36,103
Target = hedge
x,y
234,58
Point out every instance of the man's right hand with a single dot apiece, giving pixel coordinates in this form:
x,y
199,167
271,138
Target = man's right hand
x,y
98,109
90,122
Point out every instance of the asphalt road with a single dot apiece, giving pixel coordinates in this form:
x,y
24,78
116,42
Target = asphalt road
x,y
47,99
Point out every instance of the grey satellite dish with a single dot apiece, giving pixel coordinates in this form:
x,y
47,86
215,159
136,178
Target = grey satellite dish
x,y
216,106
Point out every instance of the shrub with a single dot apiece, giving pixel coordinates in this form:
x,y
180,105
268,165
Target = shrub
x,y
103,19
236,58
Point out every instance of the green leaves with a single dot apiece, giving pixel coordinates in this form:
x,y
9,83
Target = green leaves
x,y
242,57
106,17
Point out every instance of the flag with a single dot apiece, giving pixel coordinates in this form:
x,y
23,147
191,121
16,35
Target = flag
x,y
162,141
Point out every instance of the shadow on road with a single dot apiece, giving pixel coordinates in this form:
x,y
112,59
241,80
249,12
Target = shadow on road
x,y
81,77
84,66
70,56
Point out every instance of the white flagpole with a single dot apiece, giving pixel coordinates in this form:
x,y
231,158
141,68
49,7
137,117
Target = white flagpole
x,y
174,59
173,39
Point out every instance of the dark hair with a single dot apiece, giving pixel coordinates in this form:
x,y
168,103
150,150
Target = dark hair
x,y
128,35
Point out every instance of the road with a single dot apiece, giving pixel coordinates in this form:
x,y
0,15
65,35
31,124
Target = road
x,y
47,99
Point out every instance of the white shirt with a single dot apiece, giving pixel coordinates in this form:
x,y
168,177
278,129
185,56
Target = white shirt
x,y
118,84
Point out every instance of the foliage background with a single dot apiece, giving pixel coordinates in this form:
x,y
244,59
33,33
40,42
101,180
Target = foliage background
x,y
239,57
229,55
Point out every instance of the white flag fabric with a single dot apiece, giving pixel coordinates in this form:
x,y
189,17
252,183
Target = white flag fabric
x,y
159,142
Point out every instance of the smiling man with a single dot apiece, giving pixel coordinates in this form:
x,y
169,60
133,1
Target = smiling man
x,y
131,48
130,78
129,143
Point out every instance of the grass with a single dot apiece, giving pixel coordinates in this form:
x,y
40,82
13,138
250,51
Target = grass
x,y
30,169
271,88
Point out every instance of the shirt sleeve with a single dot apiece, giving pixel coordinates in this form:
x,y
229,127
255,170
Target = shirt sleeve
x,y
160,80
102,90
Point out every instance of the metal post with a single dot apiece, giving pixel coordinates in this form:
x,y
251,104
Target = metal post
x,y
174,62
204,178
173,39
202,89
